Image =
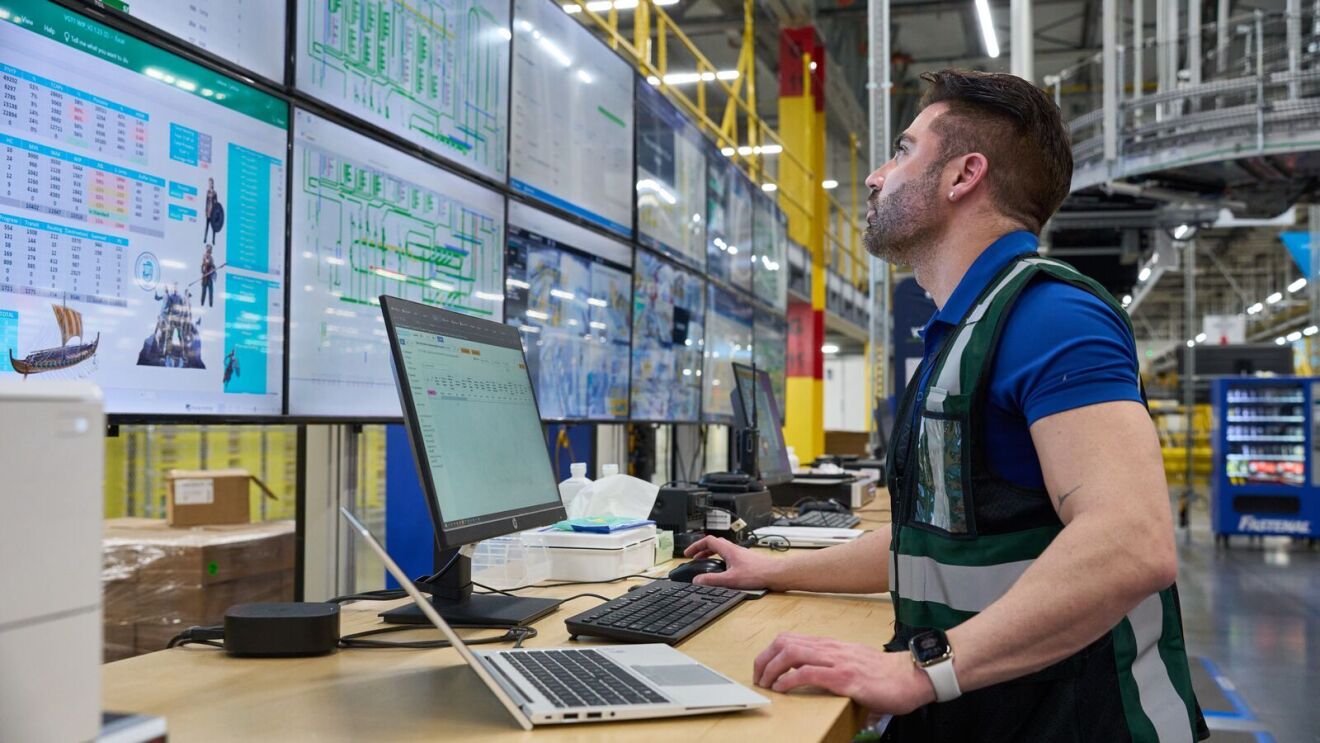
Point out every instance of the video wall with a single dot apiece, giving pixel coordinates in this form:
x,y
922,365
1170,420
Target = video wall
x,y
488,157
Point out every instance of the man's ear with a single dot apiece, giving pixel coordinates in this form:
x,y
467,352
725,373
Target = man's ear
x,y
970,171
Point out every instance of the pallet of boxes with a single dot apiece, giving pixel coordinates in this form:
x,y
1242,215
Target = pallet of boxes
x,y
162,576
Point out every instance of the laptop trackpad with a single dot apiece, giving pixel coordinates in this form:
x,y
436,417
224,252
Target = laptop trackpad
x,y
687,674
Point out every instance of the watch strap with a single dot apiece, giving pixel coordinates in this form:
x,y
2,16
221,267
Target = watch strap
x,y
943,678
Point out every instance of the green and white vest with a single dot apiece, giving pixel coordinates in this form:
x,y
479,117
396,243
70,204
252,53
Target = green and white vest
x,y
962,536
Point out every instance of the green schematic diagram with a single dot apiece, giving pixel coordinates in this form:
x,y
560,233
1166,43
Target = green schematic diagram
x,y
374,233
433,71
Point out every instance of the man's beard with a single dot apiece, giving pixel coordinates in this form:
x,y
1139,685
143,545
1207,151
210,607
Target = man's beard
x,y
904,227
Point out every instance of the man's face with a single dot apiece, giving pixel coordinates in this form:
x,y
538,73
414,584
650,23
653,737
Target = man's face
x,y
904,211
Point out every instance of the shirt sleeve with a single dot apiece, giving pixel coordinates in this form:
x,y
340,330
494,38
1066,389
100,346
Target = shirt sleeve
x,y
1063,348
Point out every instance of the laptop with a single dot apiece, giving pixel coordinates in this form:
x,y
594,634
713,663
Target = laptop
x,y
806,536
598,684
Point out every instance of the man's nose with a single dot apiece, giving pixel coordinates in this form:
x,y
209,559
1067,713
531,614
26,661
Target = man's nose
x,y
876,180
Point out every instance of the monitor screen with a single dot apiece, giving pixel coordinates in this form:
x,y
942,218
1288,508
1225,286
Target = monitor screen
x,y
728,339
569,290
471,416
141,221
435,72
771,354
770,256
671,180
248,33
728,223
370,220
771,454
669,335
572,143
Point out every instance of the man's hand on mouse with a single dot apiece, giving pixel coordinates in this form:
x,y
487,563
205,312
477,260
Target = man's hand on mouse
x,y
886,683
744,569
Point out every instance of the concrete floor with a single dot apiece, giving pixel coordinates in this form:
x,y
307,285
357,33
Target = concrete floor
x,y
1254,611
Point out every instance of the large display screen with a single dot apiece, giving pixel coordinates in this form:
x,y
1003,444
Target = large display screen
x,y
669,317
728,223
770,256
434,72
142,214
728,339
572,143
370,220
771,354
248,33
671,180
569,290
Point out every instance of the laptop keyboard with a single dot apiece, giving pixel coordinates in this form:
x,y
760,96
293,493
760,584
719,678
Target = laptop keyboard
x,y
581,678
831,519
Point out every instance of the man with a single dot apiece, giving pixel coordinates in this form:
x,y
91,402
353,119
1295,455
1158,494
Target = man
x,y
1031,560
208,209
208,278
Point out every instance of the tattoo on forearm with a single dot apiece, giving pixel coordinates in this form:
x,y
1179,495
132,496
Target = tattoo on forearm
x,y
1064,497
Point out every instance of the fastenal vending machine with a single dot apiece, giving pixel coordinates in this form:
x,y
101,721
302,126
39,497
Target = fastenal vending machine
x,y
1265,480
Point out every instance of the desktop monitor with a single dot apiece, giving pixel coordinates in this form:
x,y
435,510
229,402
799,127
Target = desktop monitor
x,y
471,417
755,407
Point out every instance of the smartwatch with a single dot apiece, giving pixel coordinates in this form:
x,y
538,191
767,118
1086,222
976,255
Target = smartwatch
x,y
932,653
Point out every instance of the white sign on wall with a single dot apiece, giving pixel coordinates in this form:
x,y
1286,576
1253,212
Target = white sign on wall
x,y
1223,330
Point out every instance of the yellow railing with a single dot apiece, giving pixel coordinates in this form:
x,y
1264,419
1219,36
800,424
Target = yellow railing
x,y
657,41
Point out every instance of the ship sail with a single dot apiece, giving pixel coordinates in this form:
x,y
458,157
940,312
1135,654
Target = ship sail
x,y
70,323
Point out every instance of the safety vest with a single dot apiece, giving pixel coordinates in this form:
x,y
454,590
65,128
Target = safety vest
x,y
962,536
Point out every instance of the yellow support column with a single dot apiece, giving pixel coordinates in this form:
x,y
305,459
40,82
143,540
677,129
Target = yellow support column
x,y
802,129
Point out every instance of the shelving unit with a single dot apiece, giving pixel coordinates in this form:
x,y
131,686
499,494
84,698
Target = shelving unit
x,y
1265,480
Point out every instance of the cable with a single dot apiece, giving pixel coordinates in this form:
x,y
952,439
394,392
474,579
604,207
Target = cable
x,y
567,583
559,604
389,594
772,542
358,640
199,635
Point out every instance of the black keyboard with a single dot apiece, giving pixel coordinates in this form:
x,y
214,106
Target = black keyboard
x,y
831,519
580,678
664,611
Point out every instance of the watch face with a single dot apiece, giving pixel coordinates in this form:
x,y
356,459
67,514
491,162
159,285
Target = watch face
x,y
928,647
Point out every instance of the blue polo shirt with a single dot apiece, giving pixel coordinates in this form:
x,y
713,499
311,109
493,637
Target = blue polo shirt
x,y
1061,348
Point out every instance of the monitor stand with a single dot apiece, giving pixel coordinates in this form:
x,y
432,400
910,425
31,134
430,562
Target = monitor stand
x,y
452,596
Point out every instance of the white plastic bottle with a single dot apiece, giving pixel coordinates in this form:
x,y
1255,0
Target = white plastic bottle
x,y
793,462
569,488
608,469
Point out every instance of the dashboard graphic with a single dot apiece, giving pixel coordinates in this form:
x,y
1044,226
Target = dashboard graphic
x,y
572,115
671,180
728,223
370,220
570,290
729,336
141,220
249,33
435,72
669,318
770,353
770,257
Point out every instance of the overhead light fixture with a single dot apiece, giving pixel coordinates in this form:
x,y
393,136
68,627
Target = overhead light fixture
x,y
1311,330
1127,299
1145,274
1200,337
1191,344
1280,340
1296,335
1274,298
687,78
1297,286
1182,231
829,348
769,187
987,28
561,294
829,184
1253,309
601,6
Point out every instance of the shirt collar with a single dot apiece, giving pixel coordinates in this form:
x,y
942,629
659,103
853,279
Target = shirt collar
x,y
983,270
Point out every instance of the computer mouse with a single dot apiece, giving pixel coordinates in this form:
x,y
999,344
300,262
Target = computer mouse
x,y
824,505
687,571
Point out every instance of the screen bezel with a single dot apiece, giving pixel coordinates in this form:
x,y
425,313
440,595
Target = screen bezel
x,y
760,377
499,524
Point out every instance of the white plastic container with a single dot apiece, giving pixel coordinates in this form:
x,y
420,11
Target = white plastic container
x,y
794,464
569,488
606,470
584,556
510,562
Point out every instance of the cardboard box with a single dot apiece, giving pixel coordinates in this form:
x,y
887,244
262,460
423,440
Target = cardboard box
x,y
208,497
200,555
119,642
207,604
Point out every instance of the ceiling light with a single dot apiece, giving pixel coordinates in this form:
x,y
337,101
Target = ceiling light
x,y
1296,335
1145,274
687,78
561,294
1181,231
1280,340
1191,344
1127,299
769,187
1274,298
829,184
987,28
829,348
1200,337
1297,286
1253,309
1311,330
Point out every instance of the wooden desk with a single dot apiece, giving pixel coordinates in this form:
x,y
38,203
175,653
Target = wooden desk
x,y
397,694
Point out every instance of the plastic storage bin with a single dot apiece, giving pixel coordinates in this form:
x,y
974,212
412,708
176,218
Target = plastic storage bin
x,y
510,562
588,557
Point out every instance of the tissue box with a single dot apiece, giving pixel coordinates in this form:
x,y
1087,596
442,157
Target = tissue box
x,y
579,556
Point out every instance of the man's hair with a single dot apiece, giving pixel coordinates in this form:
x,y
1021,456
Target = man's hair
x,y
1018,129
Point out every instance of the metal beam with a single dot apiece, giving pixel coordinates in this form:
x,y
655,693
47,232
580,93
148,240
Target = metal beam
x,y
1022,41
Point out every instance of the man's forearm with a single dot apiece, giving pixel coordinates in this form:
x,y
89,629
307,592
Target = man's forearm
x,y
1079,588
860,566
